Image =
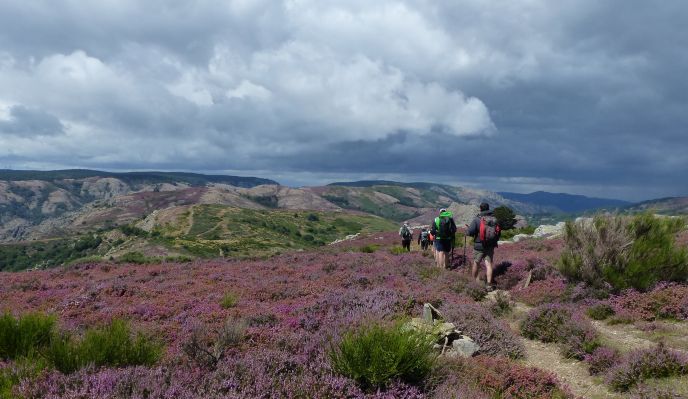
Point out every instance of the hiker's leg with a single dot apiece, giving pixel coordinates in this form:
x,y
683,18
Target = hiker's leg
x,y
477,258
446,260
488,264
488,270
441,256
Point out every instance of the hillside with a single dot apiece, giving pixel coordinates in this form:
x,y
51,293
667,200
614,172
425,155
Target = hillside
x,y
665,206
232,328
194,231
565,203
410,200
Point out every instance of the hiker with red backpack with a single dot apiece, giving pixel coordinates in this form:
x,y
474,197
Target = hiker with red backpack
x,y
485,231
443,229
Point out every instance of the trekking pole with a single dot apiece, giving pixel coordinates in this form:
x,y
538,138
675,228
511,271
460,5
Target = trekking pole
x,y
465,261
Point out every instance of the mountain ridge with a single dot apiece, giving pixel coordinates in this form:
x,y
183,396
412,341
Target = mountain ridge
x,y
566,203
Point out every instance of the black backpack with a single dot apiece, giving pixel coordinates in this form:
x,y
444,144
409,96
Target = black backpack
x,y
406,233
443,225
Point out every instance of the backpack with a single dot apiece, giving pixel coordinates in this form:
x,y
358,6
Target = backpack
x,y
489,230
443,224
406,233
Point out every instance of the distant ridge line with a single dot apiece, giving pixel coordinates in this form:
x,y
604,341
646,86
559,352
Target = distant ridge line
x,y
137,176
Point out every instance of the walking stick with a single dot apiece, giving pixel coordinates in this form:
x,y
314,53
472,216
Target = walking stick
x,y
464,249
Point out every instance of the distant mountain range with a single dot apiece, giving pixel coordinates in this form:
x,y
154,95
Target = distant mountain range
x,y
43,205
566,203
60,216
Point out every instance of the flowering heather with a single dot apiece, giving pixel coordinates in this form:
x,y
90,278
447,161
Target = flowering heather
x,y
292,305
601,360
665,301
552,289
642,364
560,324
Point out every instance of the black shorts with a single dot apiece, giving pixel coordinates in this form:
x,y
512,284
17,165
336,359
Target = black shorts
x,y
443,245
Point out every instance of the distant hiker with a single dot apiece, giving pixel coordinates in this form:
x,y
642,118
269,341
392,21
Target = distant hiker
x,y
406,236
485,232
424,239
444,230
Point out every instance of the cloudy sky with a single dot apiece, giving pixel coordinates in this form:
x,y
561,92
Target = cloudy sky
x,y
581,96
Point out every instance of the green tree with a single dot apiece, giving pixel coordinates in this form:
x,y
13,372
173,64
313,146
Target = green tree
x,y
505,217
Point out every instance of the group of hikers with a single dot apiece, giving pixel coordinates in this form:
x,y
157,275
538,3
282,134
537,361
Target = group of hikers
x,y
441,237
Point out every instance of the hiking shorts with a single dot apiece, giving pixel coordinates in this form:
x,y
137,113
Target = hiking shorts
x,y
486,253
443,245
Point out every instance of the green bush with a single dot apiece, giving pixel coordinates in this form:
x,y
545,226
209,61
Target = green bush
x,y
624,252
136,258
229,300
600,311
112,345
397,250
375,355
369,249
25,335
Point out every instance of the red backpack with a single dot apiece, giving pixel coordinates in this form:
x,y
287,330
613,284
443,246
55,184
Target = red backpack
x,y
489,230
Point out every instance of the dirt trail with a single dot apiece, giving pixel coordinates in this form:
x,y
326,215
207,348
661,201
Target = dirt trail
x,y
571,372
191,220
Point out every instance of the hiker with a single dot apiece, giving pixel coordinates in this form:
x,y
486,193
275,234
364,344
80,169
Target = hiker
x,y
444,230
406,236
485,232
424,239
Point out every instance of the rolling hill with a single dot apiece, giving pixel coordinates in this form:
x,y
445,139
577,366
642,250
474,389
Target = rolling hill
x,y
665,206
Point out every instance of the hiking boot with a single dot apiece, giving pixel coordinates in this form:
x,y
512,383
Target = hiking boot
x,y
490,288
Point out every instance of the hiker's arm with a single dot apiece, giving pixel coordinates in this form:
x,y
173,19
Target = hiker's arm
x,y
472,229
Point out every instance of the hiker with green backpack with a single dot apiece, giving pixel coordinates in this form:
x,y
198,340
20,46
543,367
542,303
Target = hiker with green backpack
x,y
406,236
485,231
443,229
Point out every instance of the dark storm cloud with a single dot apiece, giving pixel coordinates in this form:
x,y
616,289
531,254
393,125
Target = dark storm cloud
x,y
30,123
569,95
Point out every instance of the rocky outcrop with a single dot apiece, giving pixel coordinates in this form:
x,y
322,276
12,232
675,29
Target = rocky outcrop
x,y
449,341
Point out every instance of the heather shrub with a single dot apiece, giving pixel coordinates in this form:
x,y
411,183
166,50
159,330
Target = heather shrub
x,y
375,355
557,323
552,289
642,364
601,360
665,301
112,345
599,311
471,288
545,322
494,337
501,305
626,252
207,348
229,300
25,335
